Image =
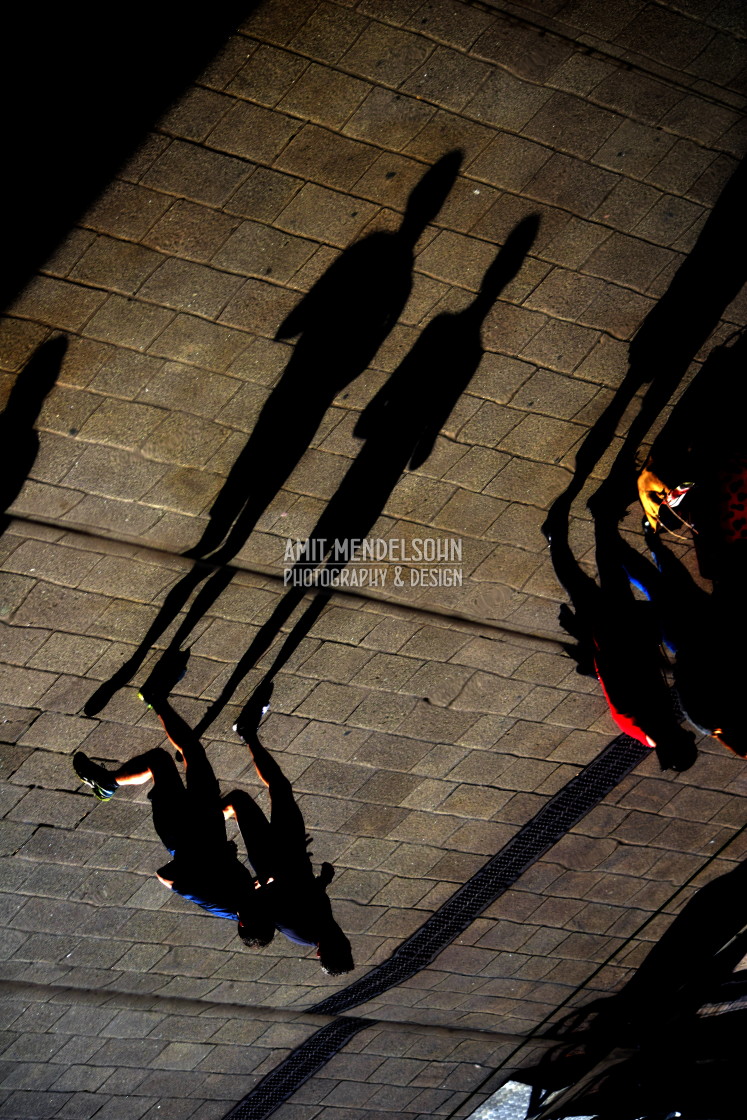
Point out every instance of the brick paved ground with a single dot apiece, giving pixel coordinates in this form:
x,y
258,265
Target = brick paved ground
x,y
421,729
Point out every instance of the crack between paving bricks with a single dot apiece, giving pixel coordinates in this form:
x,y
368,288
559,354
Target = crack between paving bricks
x,y
628,59
534,639
60,993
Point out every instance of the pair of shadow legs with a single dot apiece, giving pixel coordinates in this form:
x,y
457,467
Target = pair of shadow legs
x,y
212,808
189,820
703,631
350,515
289,896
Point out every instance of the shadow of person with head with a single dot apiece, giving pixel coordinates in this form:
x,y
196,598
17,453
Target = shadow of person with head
x,y
278,850
18,438
647,1051
399,426
669,338
340,325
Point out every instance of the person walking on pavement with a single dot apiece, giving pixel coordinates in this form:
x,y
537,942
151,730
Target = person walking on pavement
x,y
618,638
188,818
277,848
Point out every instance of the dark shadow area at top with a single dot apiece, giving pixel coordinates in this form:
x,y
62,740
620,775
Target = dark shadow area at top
x,y
647,1052
81,88
18,439
341,323
671,335
399,426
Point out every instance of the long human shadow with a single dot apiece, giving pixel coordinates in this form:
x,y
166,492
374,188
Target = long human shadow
x,y
645,1051
18,438
399,425
669,338
341,323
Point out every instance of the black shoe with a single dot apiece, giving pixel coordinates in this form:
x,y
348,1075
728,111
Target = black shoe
x,y
256,706
678,758
168,671
97,777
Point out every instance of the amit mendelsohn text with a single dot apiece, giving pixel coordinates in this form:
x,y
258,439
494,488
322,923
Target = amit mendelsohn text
x,y
392,550
308,555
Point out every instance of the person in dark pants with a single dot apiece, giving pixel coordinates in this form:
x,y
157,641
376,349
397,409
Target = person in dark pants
x,y
694,626
618,641
189,820
277,848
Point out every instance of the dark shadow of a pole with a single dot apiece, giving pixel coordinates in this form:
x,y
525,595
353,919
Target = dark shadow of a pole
x,y
18,438
342,322
399,425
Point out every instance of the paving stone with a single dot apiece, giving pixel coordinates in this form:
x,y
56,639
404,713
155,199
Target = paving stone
x,y
195,173
445,132
328,32
571,125
121,423
190,287
257,250
190,230
524,50
248,131
192,340
509,161
457,259
128,322
628,261
418,743
68,306
332,160
668,219
505,101
560,346
324,96
565,181
266,75
388,118
195,114
126,210
447,78
120,265
263,195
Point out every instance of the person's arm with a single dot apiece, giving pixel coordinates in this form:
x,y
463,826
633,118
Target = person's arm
x,y
166,874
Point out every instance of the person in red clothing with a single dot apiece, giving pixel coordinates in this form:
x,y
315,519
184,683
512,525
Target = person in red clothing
x,y
619,642
701,454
